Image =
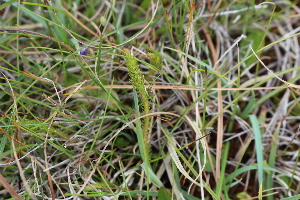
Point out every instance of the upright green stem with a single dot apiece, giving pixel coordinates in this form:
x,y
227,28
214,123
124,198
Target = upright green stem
x,y
138,82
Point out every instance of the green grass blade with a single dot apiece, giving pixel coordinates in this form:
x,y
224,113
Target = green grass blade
x,y
7,4
220,185
272,160
296,197
15,4
258,147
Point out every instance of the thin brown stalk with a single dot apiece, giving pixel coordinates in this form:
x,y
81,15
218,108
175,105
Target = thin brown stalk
x,y
9,188
25,182
220,107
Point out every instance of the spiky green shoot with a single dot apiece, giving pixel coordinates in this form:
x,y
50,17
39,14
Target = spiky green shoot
x,y
138,82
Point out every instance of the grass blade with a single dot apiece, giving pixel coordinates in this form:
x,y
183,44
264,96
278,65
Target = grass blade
x,y
258,147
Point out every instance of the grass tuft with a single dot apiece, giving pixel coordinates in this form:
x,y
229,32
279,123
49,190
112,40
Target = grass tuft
x,y
204,105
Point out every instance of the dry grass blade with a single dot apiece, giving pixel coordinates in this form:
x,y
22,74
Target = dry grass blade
x,y
289,84
23,178
9,188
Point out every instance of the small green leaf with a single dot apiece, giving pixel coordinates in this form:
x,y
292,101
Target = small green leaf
x,y
152,176
254,38
164,194
243,195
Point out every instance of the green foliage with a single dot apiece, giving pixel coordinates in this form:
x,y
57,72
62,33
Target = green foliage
x,y
164,194
72,112
122,142
243,195
254,38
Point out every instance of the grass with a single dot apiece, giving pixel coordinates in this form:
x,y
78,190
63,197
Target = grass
x,y
149,100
